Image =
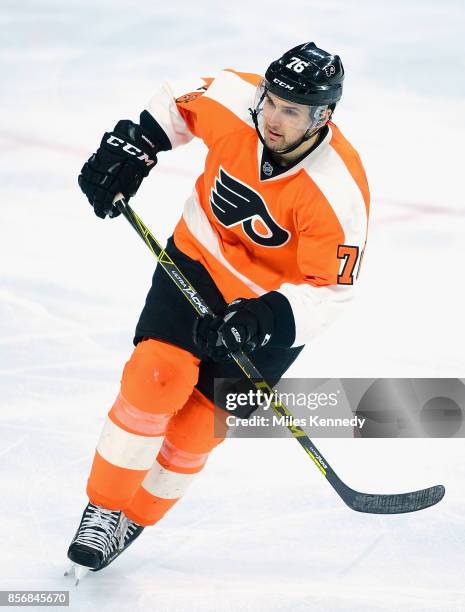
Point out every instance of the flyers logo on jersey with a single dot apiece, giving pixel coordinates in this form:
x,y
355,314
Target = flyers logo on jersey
x,y
235,203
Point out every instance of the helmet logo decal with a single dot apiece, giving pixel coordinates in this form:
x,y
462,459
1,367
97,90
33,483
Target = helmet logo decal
x,y
235,203
283,84
330,70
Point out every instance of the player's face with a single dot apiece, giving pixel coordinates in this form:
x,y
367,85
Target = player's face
x,y
284,122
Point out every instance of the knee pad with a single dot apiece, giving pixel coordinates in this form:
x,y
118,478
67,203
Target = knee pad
x,y
159,377
198,427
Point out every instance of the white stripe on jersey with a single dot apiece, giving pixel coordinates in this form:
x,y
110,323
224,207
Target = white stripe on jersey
x,y
328,171
127,450
162,106
166,484
235,94
228,89
315,308
199,225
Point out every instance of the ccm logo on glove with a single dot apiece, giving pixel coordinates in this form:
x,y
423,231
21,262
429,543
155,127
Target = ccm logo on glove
x,y
132,149
236,335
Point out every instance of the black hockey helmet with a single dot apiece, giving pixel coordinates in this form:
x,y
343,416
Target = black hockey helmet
x,y
306,75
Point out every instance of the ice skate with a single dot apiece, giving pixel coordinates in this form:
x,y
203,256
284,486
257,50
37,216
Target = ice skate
x,y
101,537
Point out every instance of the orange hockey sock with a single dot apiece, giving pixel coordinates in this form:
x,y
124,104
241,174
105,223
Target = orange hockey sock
x,y
192,433
157,381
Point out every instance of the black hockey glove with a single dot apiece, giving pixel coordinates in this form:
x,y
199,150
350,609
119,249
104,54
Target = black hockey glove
x,y
125,156
246,324
207,339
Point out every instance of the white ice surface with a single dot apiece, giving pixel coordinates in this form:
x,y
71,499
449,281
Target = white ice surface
x,y
260,529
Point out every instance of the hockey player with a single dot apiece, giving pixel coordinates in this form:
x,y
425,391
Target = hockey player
x,y
272,238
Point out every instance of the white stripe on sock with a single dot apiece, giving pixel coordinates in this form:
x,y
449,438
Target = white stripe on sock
x,y
166,484
127,450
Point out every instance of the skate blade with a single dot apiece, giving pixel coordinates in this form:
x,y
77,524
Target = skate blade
x,y
79,571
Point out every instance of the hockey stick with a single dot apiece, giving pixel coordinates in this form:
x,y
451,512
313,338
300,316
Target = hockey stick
x,y
361,502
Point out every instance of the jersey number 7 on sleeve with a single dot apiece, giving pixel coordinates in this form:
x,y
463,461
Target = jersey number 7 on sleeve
x,y
350,255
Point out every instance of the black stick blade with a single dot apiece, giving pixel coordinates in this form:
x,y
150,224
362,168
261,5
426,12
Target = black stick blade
x,y
396,504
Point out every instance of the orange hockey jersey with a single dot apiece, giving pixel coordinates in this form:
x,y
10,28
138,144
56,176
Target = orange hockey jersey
x,y
301,233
